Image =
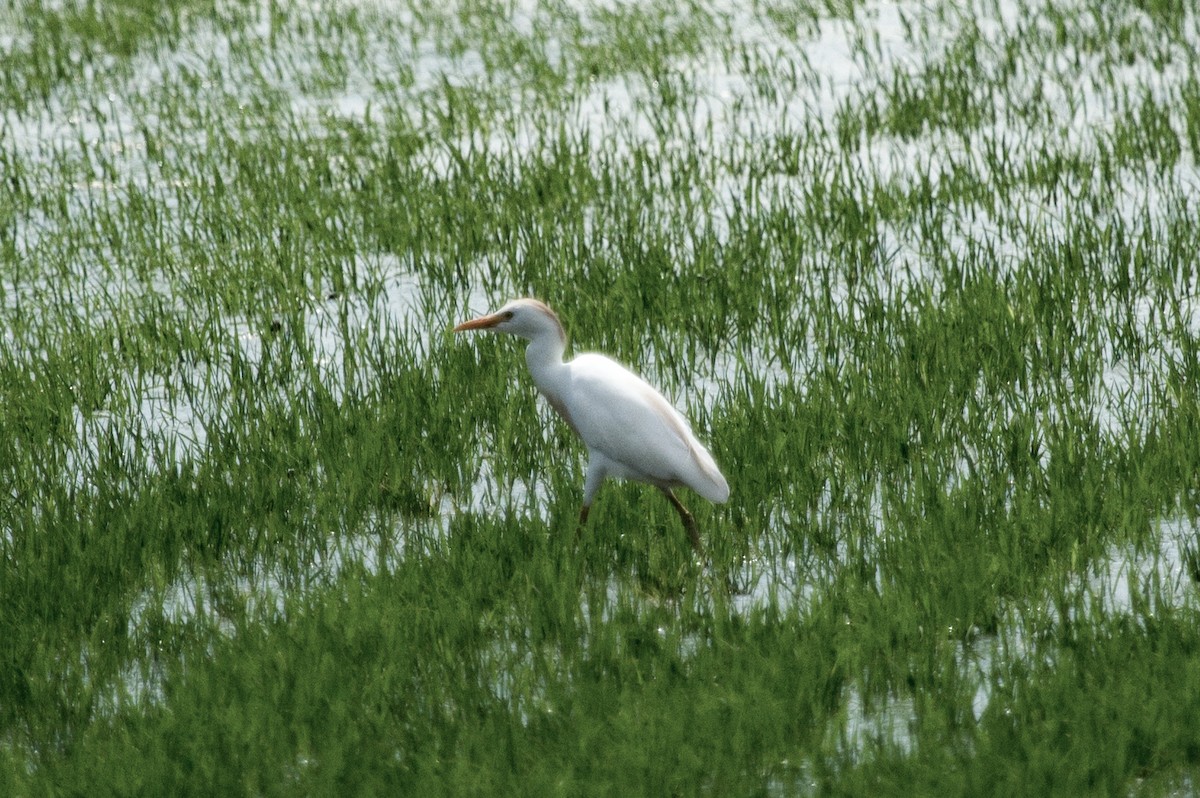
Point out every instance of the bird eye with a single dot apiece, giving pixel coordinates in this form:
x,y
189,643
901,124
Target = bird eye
x,y
508,314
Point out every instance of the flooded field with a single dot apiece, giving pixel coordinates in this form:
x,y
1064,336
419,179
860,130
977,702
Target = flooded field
x,y
923,277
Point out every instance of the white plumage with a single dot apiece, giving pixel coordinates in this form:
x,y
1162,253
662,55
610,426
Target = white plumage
x,y
630,430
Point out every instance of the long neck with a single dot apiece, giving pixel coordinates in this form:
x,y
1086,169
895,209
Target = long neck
x,y
544,356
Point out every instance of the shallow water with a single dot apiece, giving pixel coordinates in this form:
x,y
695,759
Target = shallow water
x,y
732,113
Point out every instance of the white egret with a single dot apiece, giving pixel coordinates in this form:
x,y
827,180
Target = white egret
x,y
630,430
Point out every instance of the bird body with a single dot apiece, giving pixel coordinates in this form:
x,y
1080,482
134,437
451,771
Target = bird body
x,y
630,430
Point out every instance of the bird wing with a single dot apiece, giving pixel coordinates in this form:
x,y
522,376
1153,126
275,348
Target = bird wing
x,y
620,415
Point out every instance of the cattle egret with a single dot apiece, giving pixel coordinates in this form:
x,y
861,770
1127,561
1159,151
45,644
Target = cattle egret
x,y
630,430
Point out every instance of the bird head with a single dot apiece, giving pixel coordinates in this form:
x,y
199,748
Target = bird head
x,y
530,319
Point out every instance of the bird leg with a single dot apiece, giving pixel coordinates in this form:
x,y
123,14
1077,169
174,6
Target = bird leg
x,y
583,515
689,523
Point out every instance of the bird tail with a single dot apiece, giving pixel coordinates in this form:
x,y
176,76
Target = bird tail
x,y
712,484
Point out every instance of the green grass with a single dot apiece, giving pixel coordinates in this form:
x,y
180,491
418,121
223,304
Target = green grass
x,y
923,277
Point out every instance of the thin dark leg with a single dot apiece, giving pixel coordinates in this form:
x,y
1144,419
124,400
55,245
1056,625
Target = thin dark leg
x,y
689,523
583,514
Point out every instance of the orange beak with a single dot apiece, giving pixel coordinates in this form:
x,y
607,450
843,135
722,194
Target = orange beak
x,y
481,323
